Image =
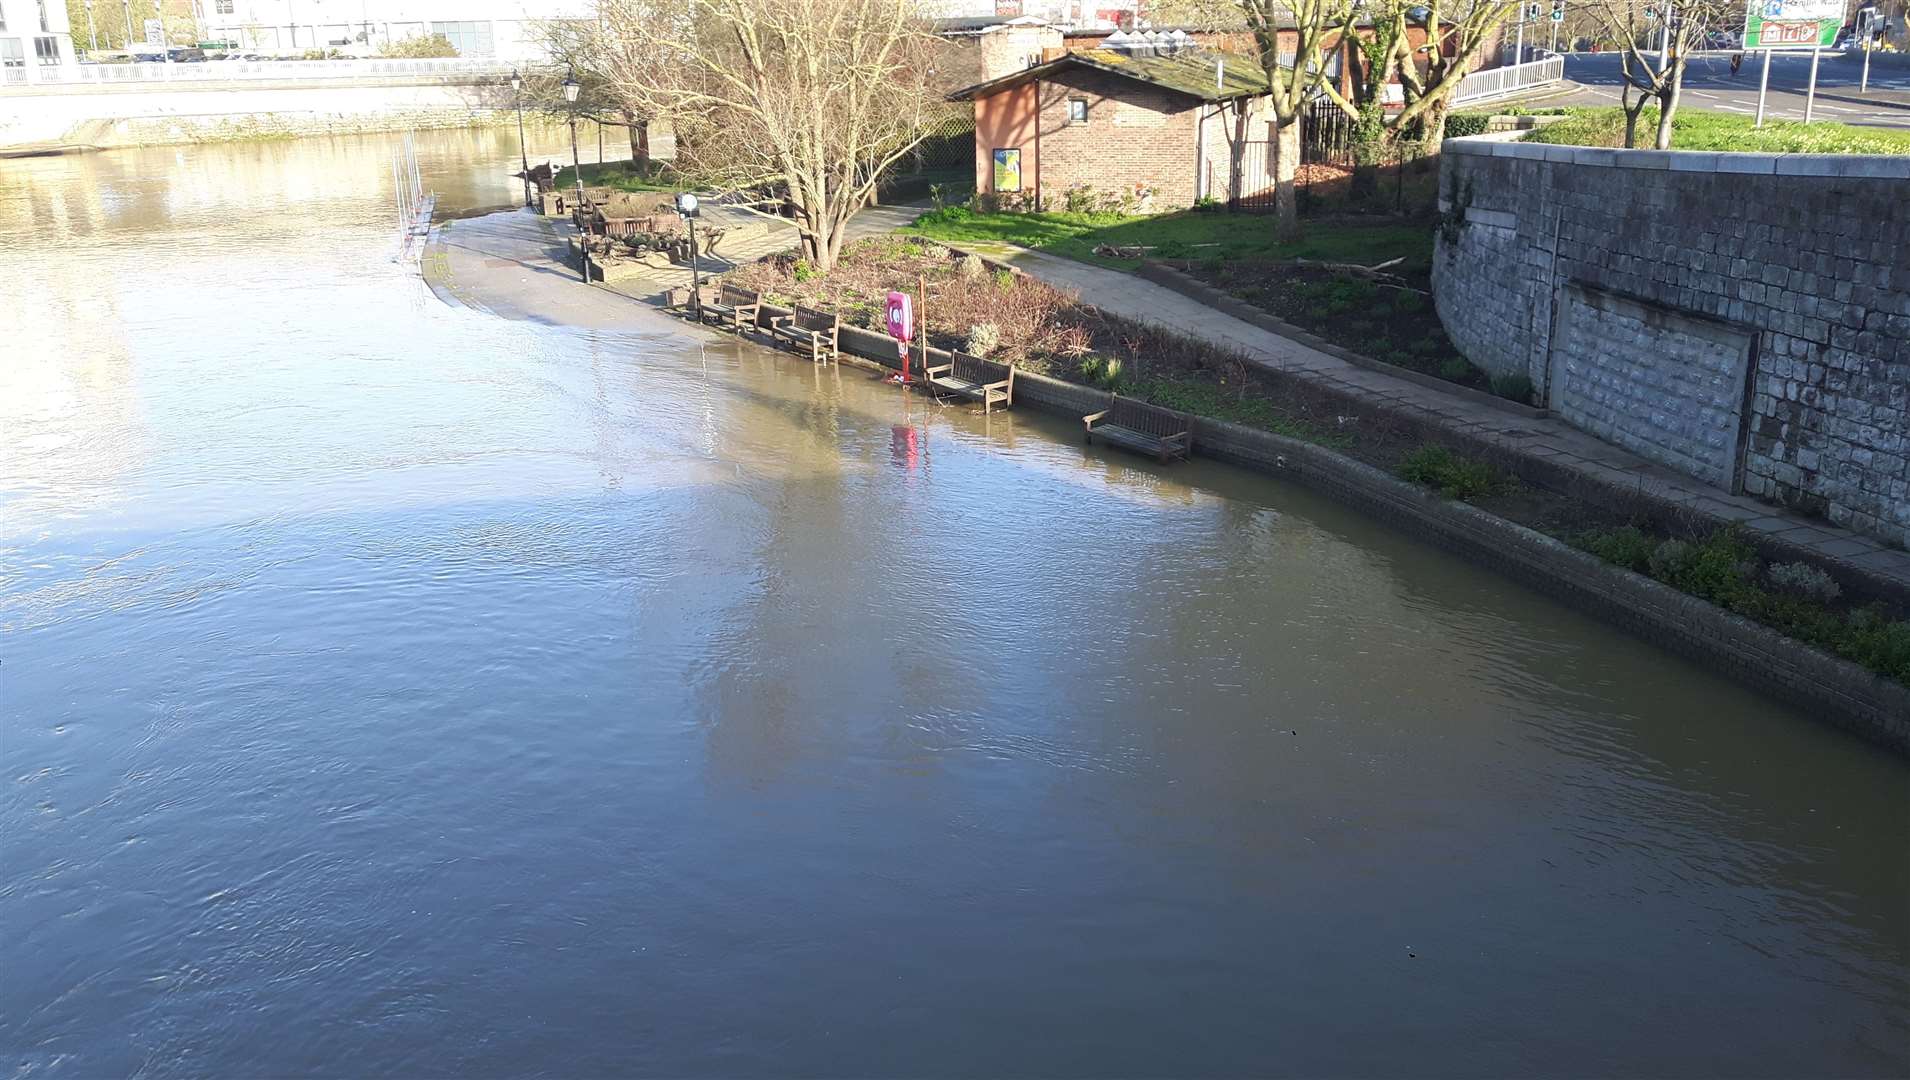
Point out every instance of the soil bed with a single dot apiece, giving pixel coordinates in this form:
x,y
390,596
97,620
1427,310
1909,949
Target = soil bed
x,y
1389,323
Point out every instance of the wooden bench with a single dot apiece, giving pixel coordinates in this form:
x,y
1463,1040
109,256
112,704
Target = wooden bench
x,y
974,378
1138,426
810,331
732,307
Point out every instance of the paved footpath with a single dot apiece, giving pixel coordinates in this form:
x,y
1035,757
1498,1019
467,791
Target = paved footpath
x,y
1137,298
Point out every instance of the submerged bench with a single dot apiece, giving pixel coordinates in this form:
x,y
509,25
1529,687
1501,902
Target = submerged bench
x,y
733,307
1138,426
810,331
974,378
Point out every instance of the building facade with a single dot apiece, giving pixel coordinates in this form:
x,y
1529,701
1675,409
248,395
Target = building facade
x,y
36,45
500,29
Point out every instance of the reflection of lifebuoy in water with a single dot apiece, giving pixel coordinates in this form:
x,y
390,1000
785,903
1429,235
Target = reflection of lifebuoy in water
x,y
905,445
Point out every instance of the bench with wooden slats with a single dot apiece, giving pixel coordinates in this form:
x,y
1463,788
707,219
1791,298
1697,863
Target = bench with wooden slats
x,y
815,333
1147,429
733,307
974,378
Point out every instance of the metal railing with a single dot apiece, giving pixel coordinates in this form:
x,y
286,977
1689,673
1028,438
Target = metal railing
x,y
1498,82
13,76
258,70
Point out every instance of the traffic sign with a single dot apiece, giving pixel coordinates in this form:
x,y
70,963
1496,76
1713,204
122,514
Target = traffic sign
x,y
1793,24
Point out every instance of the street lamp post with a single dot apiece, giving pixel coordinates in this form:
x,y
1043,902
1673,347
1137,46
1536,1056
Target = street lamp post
x,y
686,205
570,97
126,8
92,35
523,156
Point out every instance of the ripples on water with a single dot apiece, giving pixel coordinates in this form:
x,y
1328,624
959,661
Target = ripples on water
x,y
389,688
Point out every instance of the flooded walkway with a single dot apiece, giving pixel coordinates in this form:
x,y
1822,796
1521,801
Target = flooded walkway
x,y
391,687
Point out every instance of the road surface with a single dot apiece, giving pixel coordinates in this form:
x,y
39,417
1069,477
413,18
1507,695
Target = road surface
x,y
1709,84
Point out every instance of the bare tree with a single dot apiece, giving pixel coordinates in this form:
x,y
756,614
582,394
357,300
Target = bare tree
x,y
1291,37
1428,49
1655,39
809,101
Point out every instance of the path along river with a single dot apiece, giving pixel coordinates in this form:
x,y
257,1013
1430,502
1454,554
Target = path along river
x,y
392,688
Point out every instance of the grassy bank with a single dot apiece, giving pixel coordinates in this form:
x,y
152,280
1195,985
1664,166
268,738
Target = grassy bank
x,y
1191,234
1694,129
622,176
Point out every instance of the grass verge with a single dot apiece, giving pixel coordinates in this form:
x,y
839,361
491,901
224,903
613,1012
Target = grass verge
x,y
1191,234
1695,129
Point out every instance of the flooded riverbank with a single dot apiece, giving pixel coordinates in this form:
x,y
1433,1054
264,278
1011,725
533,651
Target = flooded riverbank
x,y
392,687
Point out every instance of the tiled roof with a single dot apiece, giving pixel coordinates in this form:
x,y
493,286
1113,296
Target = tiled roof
x,y
1208,76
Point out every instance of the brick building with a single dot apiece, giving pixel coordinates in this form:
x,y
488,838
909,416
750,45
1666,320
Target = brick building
x,y
1174,127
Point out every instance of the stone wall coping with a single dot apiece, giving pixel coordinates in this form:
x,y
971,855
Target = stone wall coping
x,y
1855,166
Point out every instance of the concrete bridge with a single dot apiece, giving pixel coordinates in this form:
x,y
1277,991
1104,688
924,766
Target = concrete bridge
x,y
154,104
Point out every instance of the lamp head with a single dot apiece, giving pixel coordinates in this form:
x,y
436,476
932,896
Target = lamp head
x,y
571,88
517,81
686,204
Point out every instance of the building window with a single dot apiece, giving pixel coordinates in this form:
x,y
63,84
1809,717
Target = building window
x,y
468,38
223,7
1077,110
48,50
11,56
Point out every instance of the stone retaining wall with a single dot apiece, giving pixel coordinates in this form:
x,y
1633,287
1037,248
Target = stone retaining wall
x,y
1635,270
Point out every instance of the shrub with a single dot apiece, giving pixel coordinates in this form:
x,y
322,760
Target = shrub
x,y
983,338
1515,387
1206,204
1719,568
1803,581
970,266
1005,279
1455,369
419,47
802,271
1669,559
1626,546
1459,125
1102,371
1452,475
1408,303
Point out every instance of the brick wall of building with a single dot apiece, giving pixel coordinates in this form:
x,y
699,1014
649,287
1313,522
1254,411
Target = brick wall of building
x,y
1135,134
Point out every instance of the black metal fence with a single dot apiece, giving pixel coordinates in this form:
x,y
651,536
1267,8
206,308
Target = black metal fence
x,y
1326,135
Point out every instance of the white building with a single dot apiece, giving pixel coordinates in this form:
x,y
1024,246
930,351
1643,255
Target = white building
x,y
36,45
502,29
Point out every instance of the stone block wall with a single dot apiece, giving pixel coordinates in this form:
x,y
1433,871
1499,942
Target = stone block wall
x,y
1807,258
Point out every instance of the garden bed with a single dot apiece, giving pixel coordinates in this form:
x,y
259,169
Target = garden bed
x,y
1390,322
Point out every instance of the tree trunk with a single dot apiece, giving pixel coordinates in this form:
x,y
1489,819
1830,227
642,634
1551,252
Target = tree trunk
x,y
1668,109
1286,166
639,140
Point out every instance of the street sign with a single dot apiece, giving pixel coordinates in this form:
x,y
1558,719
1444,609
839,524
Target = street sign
x,y
155,32
1558,10
1793,24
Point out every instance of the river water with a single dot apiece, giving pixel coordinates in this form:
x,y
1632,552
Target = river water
x,y
388,688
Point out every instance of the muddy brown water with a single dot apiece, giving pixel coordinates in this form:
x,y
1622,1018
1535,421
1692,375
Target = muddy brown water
x,y
389,688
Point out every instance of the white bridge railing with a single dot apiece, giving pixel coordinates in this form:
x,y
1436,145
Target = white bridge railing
x,y
256,70
1498,82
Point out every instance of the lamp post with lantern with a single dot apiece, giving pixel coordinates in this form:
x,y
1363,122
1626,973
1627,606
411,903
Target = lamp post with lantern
x,y
686,205
570,96
523,156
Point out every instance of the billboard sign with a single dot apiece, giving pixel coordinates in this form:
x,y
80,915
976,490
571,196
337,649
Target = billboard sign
x,y
1793,24
155,32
